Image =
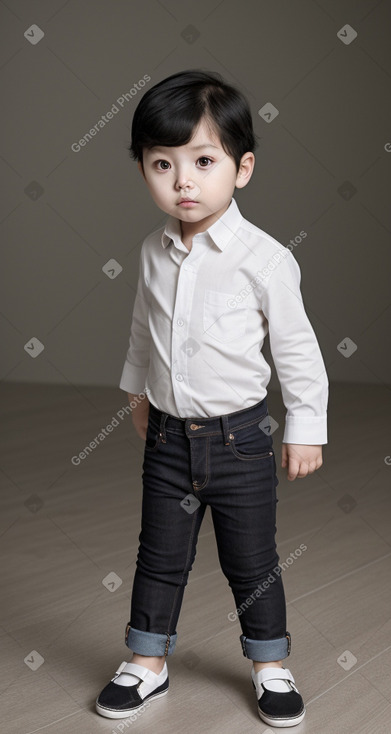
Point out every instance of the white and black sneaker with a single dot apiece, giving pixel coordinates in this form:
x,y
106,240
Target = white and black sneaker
x,y
279,701
129,689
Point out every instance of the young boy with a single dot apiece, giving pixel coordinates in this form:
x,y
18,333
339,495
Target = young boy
x,y
211,286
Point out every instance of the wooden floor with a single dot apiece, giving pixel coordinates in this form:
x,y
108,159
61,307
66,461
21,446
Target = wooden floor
x,y
69,531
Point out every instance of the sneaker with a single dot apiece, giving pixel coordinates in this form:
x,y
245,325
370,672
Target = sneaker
x,y
279,701
129,689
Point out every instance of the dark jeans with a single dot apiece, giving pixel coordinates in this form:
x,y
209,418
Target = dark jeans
x,y
227,462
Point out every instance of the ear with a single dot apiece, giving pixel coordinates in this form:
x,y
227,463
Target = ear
x,y
247,163
140,168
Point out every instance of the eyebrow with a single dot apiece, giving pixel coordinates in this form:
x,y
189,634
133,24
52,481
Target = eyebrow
x,y
204,145
194,147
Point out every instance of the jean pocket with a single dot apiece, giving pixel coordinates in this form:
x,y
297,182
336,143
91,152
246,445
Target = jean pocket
x,y
251,442
223,318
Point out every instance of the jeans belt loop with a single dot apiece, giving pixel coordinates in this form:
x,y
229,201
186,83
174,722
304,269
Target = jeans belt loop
x,y
225,428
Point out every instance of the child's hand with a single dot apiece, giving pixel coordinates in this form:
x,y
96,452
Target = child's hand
x,y
300,459
140,415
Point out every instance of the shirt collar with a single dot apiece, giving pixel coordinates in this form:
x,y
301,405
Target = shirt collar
x,y
220,232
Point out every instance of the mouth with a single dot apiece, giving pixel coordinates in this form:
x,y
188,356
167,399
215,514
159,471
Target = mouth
x,y
187,202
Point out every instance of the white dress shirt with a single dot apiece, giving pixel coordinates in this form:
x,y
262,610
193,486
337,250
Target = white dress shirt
x,y
200,319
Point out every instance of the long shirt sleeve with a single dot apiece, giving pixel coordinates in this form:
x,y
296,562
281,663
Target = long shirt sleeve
x,y
296,355
135,370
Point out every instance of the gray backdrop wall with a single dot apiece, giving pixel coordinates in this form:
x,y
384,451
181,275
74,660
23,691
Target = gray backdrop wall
x,y
317,75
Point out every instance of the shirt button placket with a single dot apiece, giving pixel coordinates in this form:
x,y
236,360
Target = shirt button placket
x,y
181,318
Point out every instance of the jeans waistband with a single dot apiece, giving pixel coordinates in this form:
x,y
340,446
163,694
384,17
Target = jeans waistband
x,y
215,425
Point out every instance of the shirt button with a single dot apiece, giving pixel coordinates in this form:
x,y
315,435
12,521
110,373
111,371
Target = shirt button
x,y
180,322
179,377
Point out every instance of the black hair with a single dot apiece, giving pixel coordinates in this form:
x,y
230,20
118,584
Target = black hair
x,y
169,112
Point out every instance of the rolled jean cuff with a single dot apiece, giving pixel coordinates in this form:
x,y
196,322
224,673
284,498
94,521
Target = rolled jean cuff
x,y
265,651
149,643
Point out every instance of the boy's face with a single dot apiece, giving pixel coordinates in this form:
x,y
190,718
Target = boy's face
x,y
201,171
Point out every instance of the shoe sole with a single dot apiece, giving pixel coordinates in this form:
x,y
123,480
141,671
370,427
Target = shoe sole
x,y
114,714
292,721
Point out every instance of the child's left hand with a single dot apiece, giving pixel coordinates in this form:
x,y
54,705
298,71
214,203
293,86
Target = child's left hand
x,y
300,459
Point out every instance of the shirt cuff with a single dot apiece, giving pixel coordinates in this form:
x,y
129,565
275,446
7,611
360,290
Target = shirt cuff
x,y
308,430
133,379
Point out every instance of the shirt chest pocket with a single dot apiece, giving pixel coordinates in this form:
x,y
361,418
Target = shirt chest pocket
x,y
224,319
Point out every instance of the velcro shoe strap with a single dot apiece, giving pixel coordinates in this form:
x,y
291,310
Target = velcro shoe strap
x,y
121,667
266,674
134,669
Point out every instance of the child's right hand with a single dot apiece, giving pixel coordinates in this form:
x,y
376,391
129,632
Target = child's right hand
x,y
140,414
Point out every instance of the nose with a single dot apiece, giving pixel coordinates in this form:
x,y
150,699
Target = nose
x,y
183,181
186,186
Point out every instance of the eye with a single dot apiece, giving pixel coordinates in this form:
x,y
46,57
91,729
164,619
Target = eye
x,y
165,163
205,158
